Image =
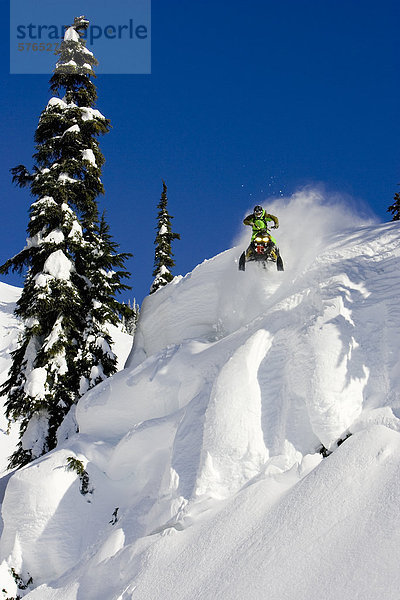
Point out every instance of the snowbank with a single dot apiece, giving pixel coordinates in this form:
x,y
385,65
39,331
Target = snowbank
x,y
330,535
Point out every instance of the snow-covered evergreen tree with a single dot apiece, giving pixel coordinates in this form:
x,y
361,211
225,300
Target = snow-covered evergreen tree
x,y
69,290
163,260
395,207
103,268
130,317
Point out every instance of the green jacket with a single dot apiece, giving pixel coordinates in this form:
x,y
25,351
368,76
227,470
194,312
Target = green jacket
x,y
262,223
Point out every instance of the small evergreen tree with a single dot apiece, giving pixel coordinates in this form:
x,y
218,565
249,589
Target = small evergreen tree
x,y
69,290
130,317
103,268
395,207
163,254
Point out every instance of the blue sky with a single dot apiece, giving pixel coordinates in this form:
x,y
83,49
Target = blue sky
x,y
245,100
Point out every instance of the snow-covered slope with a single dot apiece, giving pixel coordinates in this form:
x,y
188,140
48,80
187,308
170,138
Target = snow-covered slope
x,y
203,454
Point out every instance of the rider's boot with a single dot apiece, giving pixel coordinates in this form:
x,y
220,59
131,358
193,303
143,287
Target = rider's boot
x,y
249,252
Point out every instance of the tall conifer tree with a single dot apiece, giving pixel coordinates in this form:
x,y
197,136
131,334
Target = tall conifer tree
x,y
163,260
395,207
69,290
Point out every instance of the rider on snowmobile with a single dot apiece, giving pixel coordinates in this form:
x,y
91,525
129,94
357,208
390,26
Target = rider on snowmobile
x,y
259,220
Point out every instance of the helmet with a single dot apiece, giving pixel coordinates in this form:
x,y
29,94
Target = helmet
x,y
258,210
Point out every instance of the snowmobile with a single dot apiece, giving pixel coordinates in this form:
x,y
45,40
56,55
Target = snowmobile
x,y
262,249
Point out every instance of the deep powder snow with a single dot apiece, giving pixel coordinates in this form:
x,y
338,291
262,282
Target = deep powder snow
x,y
206,479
